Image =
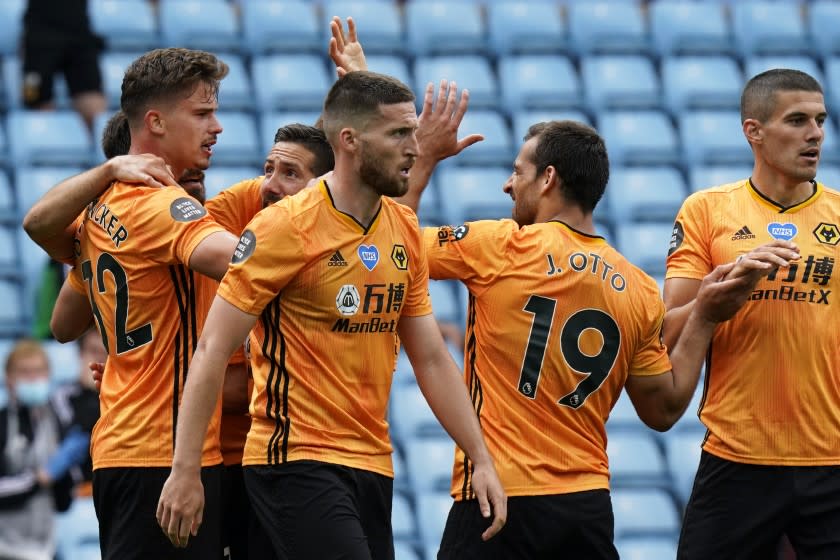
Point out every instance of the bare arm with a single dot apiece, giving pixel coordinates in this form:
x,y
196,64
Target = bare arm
x,y
439,380
212,256
680,292
71,316
49,220
662,399
181,502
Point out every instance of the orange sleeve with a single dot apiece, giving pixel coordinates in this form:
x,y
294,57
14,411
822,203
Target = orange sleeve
x,y
237,205
269,254
75,280
180,221
689,254
651,356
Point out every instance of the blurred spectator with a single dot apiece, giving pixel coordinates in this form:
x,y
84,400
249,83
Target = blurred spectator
x,y
31,487
57,38
49,284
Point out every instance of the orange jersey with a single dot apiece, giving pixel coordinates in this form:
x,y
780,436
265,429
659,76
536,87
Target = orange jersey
x,y
772,387
149,307
232,209
557,320
329,294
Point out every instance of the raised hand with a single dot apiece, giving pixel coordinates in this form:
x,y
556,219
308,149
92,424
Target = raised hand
x,y
437,134
347,54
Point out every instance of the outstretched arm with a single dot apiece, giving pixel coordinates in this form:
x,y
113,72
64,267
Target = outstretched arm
x,y
439,380
49,221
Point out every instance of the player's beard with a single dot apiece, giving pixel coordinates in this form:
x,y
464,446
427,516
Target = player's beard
x,y
371,173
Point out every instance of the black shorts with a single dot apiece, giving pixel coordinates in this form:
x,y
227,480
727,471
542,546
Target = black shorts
x,y
242,536
126,502
741,511
575,525
311,509
77,59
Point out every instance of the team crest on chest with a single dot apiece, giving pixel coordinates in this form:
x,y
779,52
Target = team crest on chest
x,y
827,234
399,257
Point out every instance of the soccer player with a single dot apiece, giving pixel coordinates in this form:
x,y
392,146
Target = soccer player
x,y
330,276
771,456
134,247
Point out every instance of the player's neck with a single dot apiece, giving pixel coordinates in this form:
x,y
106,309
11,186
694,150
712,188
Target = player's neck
x,y
140,144
572,216
351,196
782,190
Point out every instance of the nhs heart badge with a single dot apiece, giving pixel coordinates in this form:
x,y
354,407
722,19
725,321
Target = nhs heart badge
x,y
369,255
782,231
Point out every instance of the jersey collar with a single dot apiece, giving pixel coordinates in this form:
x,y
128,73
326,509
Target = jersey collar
x,y
585,237
818,188
347,218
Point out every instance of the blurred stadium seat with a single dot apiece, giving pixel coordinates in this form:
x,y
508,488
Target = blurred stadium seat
x,y
468,71
619,82
395,66
48,138
430,463
11,25
411,415
379,23
823,16
644,512
635,461
607,27
474,193
757,64
520,27
239,143
682,451
272,120
432,511
290,82
522,120
439,27
218,177
290,26
497,146
113,66
639,138
200,24
650,548
695,82
638,194
768,27
235,92
125,24
645,244
687,27
705,176
538,82
714,137
402,519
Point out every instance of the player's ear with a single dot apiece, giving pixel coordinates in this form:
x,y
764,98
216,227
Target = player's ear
x,y
753,131
549,180
348,139
154,122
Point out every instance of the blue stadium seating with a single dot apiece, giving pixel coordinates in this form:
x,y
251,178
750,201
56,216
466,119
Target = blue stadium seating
x,y
271,121
8,209
218,177
619,82
32,182
829,175
11,25
77,532
823,16
290,26
9,253
48,138
4,147
538,82
379,23
235,92
403,374
402,519
714,137
830,151
522,120
432,511
647,548
238,143
497,146
444,303
405,551
757,64
200,24
635,461
705,176
99,123
113,66
430,463
639,137
474,193
768,27
644,512
607,27
125,24
12,317
469,71
688,27
411,415
638,194
438,27
12,85
682,450
694,82
832,83
645,244
430,210
64,362
525,27
395,66
623,416
290,82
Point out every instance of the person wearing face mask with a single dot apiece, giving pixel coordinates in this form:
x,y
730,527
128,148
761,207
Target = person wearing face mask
x,y
31,429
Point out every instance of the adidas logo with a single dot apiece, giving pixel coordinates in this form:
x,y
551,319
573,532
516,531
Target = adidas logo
x,y
743,233
336,260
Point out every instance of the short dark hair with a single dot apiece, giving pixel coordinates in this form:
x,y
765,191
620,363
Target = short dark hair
x,y
758,100
314,140
355,99
579,156
116,137
163,75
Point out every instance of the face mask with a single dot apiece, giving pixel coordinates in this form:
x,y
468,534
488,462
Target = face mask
x,y
33,393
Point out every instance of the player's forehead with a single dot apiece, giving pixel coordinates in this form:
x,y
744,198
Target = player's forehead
x,y
526,153
201,96
793,102
290,153
396,115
